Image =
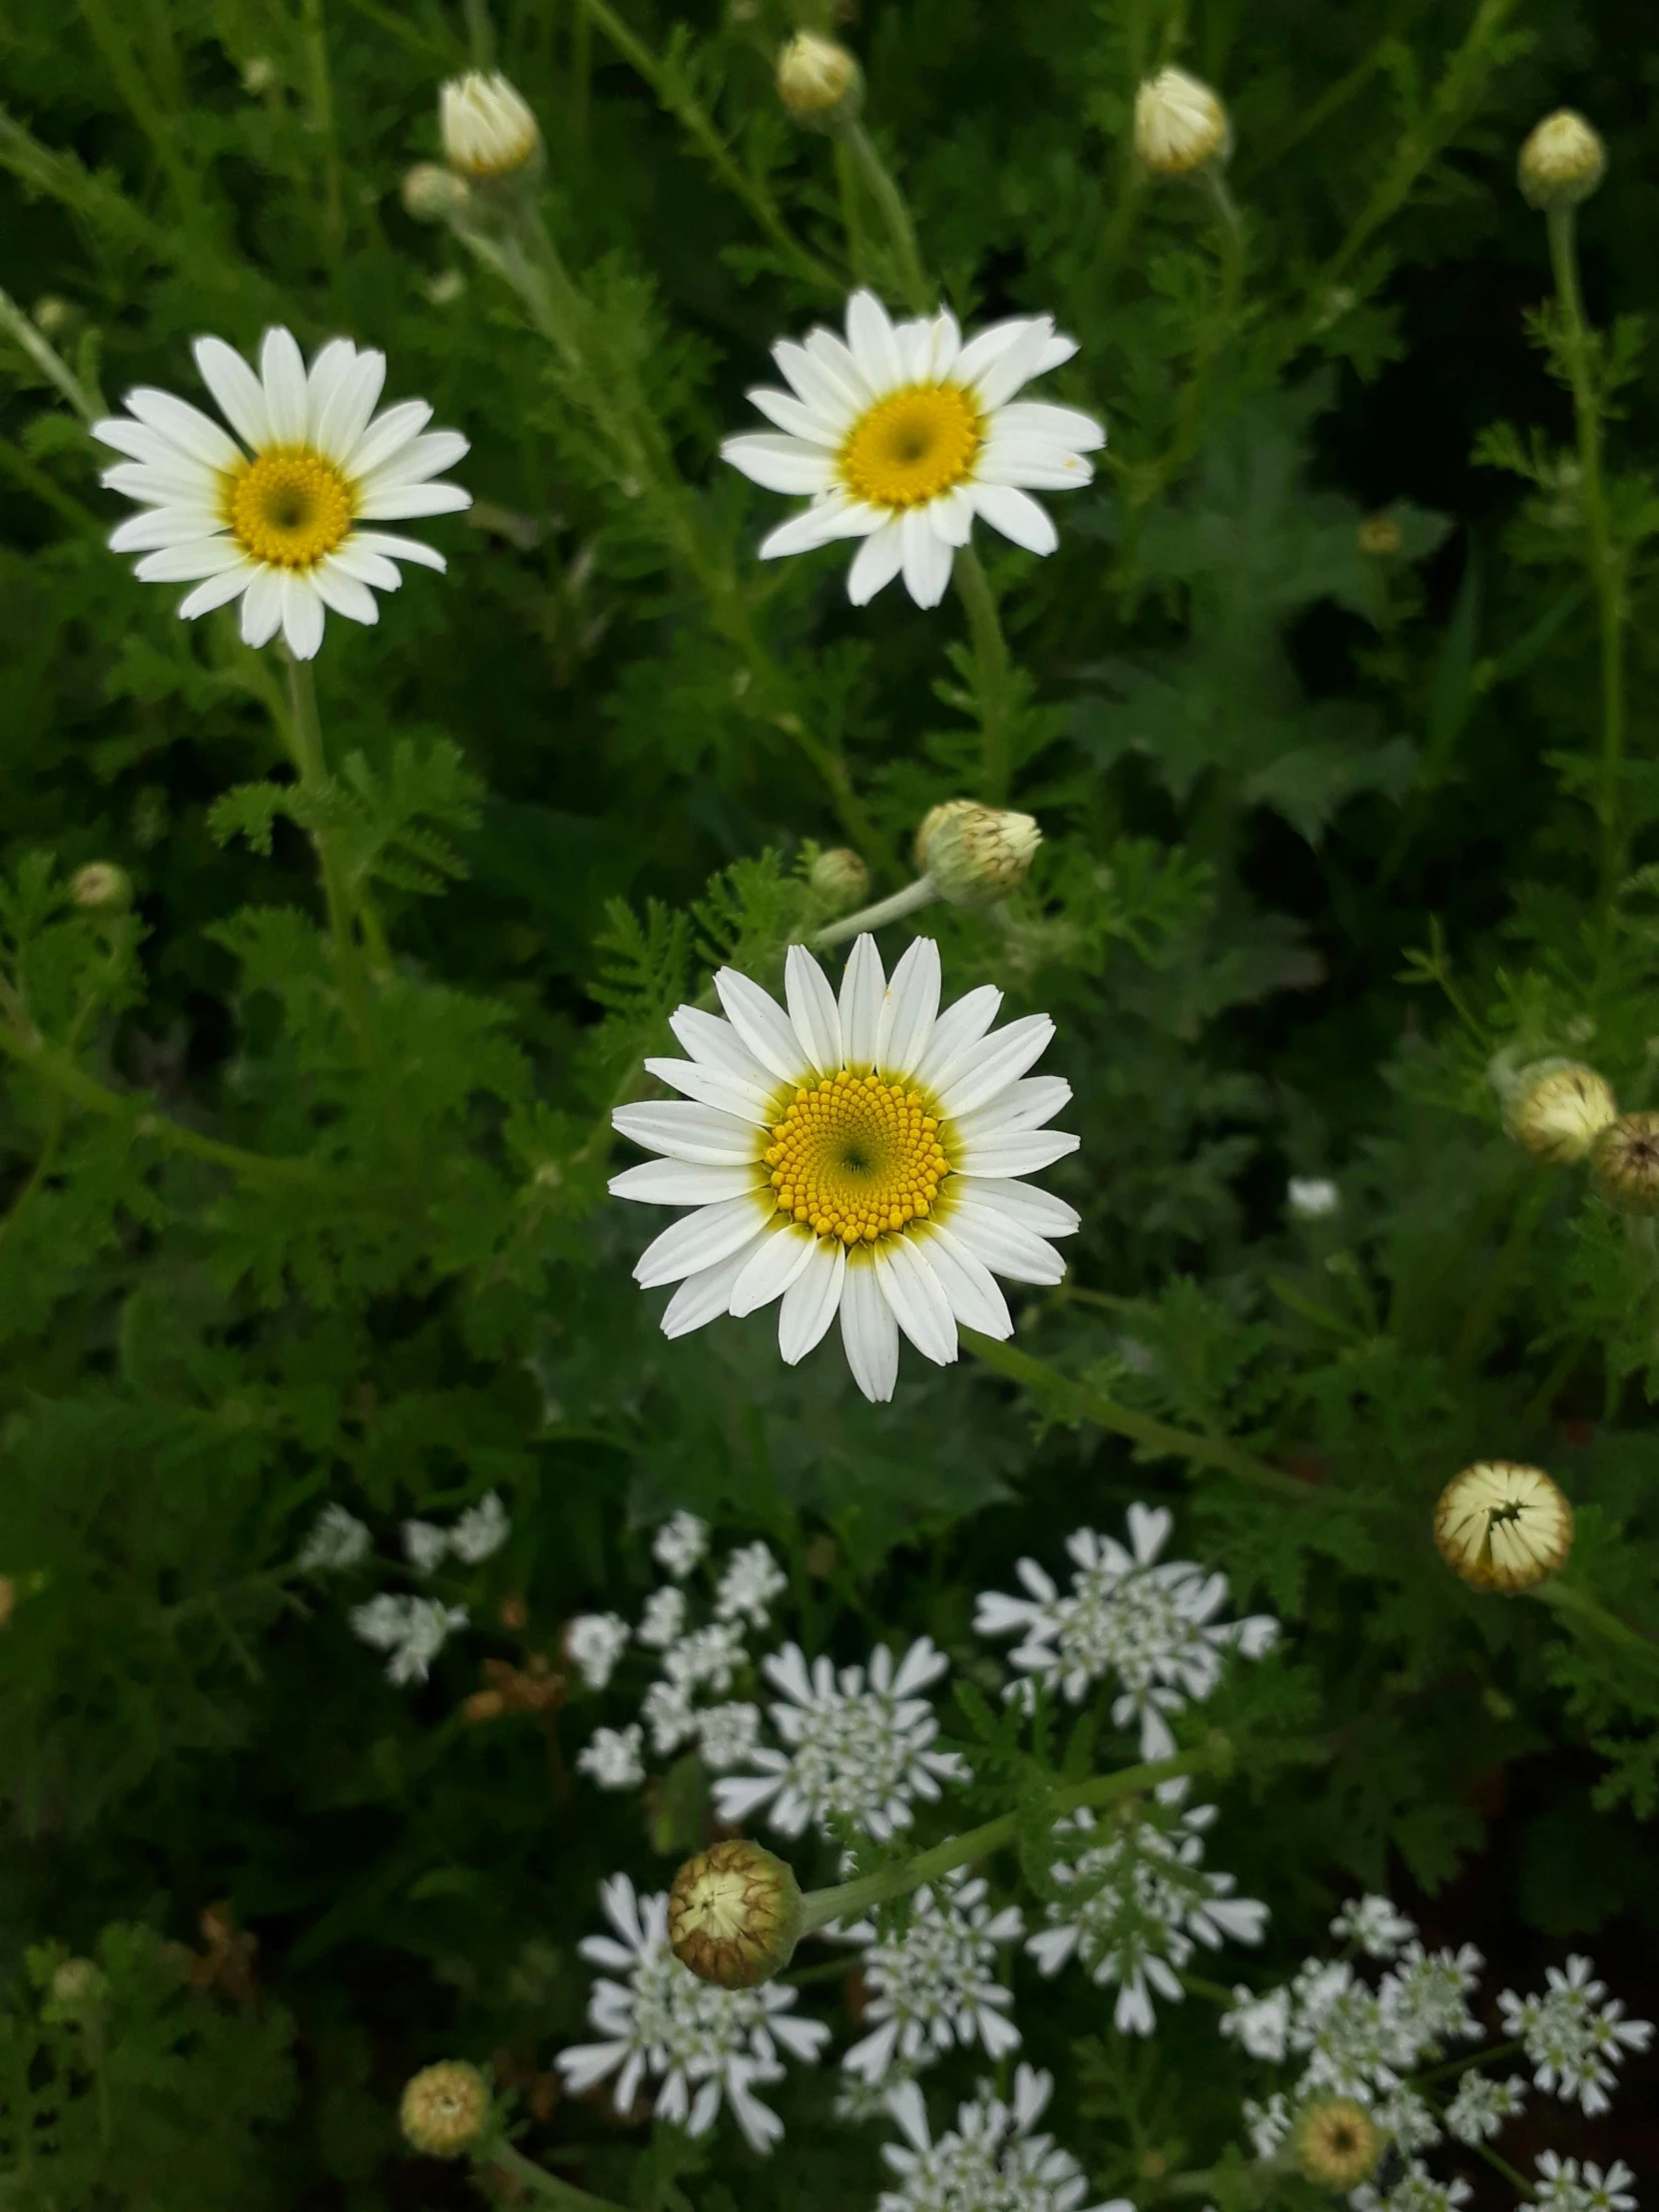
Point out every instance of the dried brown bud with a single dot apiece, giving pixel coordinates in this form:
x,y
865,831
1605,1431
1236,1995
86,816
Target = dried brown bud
x,y
734,1914
1626,1163
1502,1526
1336,2143
1556,1109
445,2108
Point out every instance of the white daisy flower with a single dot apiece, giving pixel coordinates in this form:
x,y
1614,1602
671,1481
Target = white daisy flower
x,y
679,1544
1572,2039
748,1582
1150,1626
1132,1901
902,435
481,1531
410,1630
989,2161
338,1540
278,520
594,1642
612,1757
1481,2106
659,2022
935,1982
858,1155
860,1747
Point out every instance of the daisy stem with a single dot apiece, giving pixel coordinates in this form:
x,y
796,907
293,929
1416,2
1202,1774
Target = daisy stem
x,y
503,2158
919,291
921,892
305,731
1578,1605
991,676
849,1900
87,401
1604,560
1086,1404
321,123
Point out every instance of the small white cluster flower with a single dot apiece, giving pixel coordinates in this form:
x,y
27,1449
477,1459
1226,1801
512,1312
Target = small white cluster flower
x,y
1417,2190
1481,2106
476,1537
410,1630
990,2161
425,1545
1148,1626
1267,2125
660,2023
680,1544
751,1581
612,1757
1311,1196
663,1621
1572,2039
935,1982
859,1745
594,1642
1135,1895
338,1540
1375,1926
1564,2185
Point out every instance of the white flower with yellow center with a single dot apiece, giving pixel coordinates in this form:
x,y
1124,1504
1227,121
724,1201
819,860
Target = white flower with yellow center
x,y
857,1155
902,435
278,520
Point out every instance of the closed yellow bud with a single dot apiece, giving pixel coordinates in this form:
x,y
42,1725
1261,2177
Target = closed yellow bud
x,y
1556,1109
487,127
1336,2143
1178,124
819,81
1502,1526
976,854
734,1914
432,194
444,2108
101,884
1562,161
839,877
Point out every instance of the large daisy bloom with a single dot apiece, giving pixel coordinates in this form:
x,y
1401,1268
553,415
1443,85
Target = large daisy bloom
x,y
902,433
278,520
857,1154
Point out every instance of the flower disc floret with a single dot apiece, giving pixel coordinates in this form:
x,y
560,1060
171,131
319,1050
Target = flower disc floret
x,y
856,1157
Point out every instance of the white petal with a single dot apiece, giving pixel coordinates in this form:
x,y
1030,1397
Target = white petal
x,y
780,463
343,594
829,383
716,1044
262,606
917,1299
967,1283
1037,467
158,526
877,562
817,426
909,1006
988,346
402,502
812,1009
828,519
134,439
874,343
215,591
177,482
182,564
812,1301
998,1065
864,986
353,560
302,615
731,1094
776,1262
950,515
419,460
686,1132
283,373
186,427
1018,515
1006,1248
396,548
700,1240
1025,1152
683,1183
331,368
761,1024
1063,426
956,1033
1024,1105
386,436
342,420
926,559
1039,1210
236,388
868,1332
703,1297
1015,365
1055,353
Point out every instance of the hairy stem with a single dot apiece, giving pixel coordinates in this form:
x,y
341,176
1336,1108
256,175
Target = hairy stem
x,y
305,732
321,123
921,892
87,400
920,293
1576,1605
501,2157
992,676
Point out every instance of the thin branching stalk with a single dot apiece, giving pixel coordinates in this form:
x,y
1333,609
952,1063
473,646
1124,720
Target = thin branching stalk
x,y
909,900
502,2157
305,735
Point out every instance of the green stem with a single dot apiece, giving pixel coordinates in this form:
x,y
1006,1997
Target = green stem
x,y
1577,1605
919,294
992,676
1086,1404
846,186
851,1900
481,34
921,892
1602,556
305,732
321,123
503,2158
677,98
25,335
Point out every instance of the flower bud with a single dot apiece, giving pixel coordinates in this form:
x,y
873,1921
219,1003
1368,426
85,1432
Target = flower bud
x,y
52,315
258,75
1562,161
1336,2143
839,878
1379,536
434,195
976,854
1556,1109
1178,124
1502,1526
1626,1163
101,884
819,81
444,2108
734,1914
487,128
78,1985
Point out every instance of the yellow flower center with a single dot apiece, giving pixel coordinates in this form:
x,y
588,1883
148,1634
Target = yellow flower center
x,y
912,446
289,507
856,1158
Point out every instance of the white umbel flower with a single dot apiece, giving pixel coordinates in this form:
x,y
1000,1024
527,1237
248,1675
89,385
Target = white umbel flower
x,y
278,520
1565,2186
902,435
679,1544
411,1631
338,1540
481,1531
859,1745
1572,2038
659,2022
857,1155
935,1984
990,2161
1374,1925
594,1642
